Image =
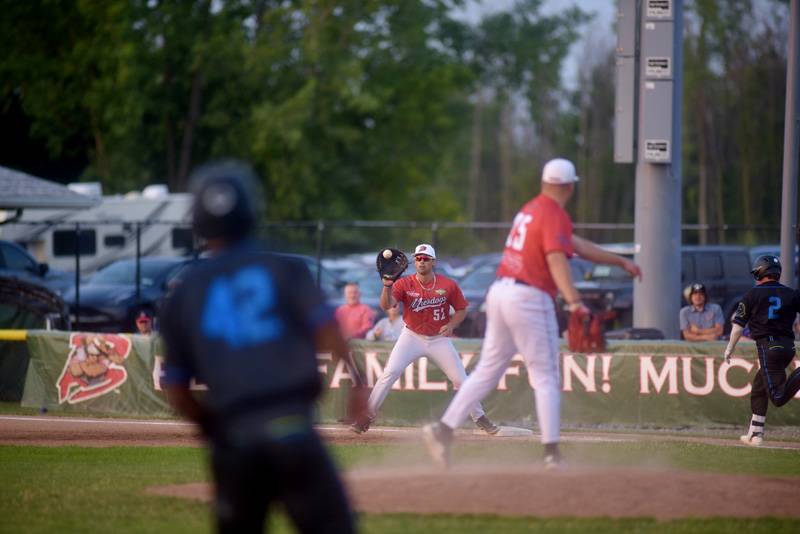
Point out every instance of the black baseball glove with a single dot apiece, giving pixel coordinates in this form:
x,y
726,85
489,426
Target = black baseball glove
x,y
391,264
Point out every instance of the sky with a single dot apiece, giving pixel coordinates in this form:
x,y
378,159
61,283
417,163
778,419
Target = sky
x,y
600,29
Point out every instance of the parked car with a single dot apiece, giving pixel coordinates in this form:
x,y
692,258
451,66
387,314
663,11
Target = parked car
x,y
22,299
476,283
16,262
724,270
108,301
330,284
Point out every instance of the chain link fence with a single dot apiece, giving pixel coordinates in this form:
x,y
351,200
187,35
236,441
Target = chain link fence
x,y
86,246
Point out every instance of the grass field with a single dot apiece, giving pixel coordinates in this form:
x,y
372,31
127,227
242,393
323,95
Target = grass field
x,y
84,489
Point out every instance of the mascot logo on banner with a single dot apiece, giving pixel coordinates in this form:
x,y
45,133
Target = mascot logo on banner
x,y
94,366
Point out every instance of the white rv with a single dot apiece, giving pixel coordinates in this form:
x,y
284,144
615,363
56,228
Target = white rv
x,y
108,230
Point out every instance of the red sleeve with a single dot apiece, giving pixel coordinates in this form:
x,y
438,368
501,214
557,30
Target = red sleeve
x,y
557,234
457,299
399,290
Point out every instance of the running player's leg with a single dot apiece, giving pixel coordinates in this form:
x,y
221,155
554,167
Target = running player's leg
x,y
445,355
774,357
759,399
407,349
496,353
535,333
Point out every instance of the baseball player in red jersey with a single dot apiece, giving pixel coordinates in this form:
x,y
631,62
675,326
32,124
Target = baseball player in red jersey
x,y
520,311
427,298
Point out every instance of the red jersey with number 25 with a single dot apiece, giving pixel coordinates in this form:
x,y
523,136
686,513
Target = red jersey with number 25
x,y
426,307
540,227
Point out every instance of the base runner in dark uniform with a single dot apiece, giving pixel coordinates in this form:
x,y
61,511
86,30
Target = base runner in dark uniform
x,y
248,324
769,309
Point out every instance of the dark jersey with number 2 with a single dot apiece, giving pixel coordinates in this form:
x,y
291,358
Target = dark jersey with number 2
x,y
243,324
769,309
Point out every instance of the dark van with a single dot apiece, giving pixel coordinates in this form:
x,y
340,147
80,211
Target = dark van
x,y
724,270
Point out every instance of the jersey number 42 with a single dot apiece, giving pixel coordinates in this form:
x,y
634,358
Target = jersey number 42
x,y
240,309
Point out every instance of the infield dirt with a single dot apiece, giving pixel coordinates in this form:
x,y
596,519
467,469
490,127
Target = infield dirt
x,y
478,487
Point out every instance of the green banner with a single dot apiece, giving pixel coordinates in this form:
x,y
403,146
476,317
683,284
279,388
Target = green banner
x,y
14,354
631,384
83,372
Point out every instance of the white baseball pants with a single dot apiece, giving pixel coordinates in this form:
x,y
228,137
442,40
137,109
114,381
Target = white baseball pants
x,y
519,319
410,347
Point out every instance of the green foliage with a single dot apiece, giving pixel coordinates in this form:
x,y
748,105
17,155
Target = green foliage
x,y
390,109
349,109
734,94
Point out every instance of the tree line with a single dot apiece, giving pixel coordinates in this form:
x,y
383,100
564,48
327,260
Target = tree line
x,y
386,109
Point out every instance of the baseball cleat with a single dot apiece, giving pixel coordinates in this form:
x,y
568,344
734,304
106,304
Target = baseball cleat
x,y
487,426
361,425
754,440
438,443
554,462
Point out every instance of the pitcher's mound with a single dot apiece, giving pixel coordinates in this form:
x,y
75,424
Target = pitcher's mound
x,y
575,492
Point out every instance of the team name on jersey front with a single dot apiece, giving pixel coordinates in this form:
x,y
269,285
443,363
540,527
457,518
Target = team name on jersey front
x,y
426,308
419,303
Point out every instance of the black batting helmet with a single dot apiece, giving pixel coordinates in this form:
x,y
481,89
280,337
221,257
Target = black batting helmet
x,y
226,200
766,265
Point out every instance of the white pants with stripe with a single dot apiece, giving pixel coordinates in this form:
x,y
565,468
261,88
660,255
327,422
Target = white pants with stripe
x,y
519,319
410,347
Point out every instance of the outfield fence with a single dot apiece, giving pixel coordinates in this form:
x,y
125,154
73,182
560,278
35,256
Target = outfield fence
x,y
631,384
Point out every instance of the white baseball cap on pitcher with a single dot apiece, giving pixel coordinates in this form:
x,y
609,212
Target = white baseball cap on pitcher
x,y
559,171
425,249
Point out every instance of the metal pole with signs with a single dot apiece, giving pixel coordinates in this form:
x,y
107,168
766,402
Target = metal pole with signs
x,y
791,143
655,148
625,87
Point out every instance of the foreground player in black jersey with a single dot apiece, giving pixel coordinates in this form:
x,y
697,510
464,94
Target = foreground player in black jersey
x,y
248,324
769,309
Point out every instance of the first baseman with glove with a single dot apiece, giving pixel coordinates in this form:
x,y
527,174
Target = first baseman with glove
x,y
769,308
427,298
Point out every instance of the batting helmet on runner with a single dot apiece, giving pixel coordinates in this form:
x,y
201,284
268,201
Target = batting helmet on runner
x,y
766,265
226,200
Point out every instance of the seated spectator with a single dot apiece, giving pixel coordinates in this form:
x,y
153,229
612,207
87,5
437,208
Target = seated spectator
x,y
701,320
355,318
144,324
388,328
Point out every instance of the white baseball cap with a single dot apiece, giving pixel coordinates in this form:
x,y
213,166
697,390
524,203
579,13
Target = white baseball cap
x,y
425,249
559,171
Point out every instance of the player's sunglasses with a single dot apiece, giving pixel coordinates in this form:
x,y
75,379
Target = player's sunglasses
x,y
423,258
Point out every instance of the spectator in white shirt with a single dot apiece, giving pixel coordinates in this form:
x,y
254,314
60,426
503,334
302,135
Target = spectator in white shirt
x,y
388,328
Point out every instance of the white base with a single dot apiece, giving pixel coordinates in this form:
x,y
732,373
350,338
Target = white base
x,y
506,432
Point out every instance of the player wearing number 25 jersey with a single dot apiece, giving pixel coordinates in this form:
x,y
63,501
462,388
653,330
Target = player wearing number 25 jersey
x,y
544,222
520,312
769,309
427,298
